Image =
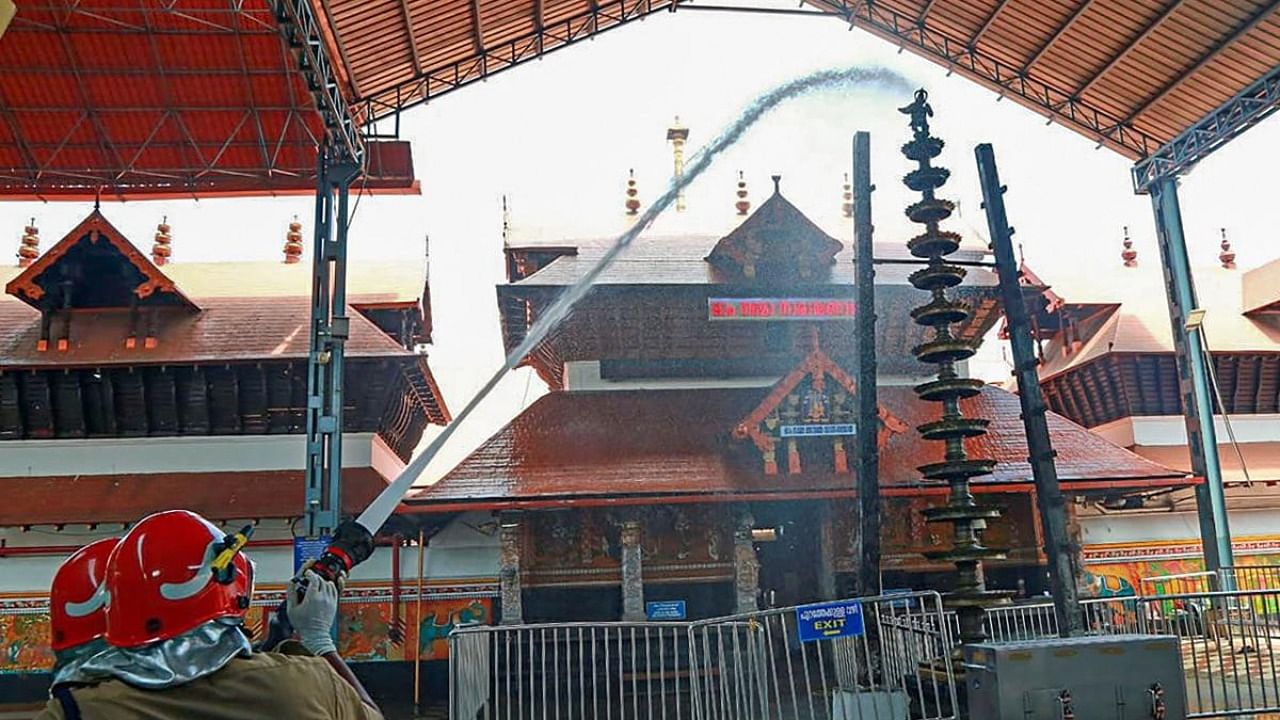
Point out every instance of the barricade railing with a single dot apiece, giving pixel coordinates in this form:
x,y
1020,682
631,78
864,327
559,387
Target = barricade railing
x,y
760,665
619,671
1251,577
1181,583
1229,642
757,665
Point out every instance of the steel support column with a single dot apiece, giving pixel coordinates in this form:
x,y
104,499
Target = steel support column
x,y
1052,505
329,330
869,510
1193,376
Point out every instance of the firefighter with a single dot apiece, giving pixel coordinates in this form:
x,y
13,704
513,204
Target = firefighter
x,y
174,622
78,613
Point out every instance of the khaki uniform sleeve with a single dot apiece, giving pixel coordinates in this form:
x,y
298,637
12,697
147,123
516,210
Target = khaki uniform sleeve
x,y
347,704
51,711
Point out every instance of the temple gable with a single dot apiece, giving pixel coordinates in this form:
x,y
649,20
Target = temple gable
x,y
776,244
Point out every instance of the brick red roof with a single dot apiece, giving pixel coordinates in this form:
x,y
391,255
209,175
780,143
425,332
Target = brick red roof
x,y
226,329
601,446
126,498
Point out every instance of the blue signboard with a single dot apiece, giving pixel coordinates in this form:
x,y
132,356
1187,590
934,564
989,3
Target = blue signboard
x,y
305,549
817,430
665,610
829,620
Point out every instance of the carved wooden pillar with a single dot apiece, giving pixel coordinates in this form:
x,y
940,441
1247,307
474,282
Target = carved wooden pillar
x,y
746,567
509,571
1075,542
827,552
632,572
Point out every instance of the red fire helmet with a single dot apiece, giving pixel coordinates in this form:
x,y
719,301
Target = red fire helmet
x,y
78,597
162,573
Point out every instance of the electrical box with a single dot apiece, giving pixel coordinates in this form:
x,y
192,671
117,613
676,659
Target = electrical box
x,y
1128,677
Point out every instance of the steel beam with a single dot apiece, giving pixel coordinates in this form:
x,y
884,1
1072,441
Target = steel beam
x,y
329,331
1193,377
869,511
990,72
302,31
1248,108
1052,506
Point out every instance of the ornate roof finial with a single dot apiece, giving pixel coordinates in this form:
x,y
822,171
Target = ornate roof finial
x,y
293,242
677,134
777,183
1129,255
29,248
633,199
161,251
846,206
1226,257
743,205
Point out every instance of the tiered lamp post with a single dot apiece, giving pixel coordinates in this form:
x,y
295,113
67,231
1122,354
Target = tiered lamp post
x,y
969,596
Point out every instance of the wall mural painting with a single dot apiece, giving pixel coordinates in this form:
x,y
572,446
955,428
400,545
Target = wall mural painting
x,y
362,636
24,643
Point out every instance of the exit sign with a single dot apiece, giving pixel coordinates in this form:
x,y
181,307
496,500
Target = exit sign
x,y
779,309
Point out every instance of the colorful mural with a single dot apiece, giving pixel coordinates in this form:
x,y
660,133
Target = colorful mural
x,y
362,635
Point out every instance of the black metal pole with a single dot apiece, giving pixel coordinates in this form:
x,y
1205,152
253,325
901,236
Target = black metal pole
x,y
865,372
1052,504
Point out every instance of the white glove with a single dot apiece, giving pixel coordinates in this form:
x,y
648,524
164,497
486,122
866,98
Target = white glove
x,y
313,615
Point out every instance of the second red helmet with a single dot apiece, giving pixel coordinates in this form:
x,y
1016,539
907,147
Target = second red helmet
x,y
78,597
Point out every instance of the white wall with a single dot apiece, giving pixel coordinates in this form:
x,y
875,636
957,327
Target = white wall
x,y
1165,431
117,456
1158,527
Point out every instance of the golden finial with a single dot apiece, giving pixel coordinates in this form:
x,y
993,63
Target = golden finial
x,y
29,248
293,242
161,251
1227,257
1129,255
633,199
744,204
678,134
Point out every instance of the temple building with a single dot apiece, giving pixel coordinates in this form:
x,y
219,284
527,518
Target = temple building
x,y
131,383
1108,364
697,444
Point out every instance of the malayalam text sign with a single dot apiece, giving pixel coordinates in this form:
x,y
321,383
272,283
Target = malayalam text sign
x,y
817,430
665,610
779,309
305,549
829,620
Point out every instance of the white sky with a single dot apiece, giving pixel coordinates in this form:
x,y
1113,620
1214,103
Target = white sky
x,y
558,135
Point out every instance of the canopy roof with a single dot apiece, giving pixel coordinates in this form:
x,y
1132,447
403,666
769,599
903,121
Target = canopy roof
x,y
200,96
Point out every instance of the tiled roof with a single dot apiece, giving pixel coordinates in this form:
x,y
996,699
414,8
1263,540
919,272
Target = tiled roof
x,y
1130,313
126,498
666,443
226,329
681,260
250,310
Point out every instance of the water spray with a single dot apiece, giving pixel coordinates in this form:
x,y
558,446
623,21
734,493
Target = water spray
x,y
353,541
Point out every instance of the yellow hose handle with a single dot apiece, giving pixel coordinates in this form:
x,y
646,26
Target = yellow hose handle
x,y
231,544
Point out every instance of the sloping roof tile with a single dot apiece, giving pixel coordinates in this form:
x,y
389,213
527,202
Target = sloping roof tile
x,y
677,442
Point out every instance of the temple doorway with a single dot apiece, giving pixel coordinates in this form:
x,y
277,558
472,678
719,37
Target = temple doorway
x,y
791,561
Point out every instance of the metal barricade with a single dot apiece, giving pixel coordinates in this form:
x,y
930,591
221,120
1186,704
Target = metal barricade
x,y
1229,642
756,665
1250,577
1194,582
565,671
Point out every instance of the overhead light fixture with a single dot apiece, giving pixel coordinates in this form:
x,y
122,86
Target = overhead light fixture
x,y
1195,319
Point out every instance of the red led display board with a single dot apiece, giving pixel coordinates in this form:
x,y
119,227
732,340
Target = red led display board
x,y
779,309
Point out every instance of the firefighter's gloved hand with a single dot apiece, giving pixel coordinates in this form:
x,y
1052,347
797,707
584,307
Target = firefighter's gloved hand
x,y
313,615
